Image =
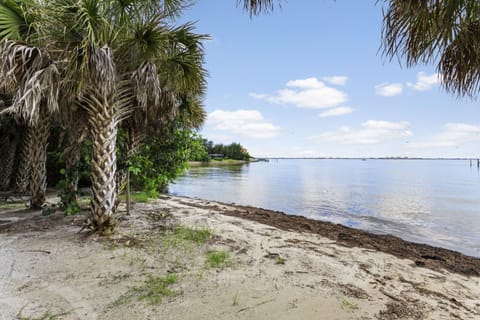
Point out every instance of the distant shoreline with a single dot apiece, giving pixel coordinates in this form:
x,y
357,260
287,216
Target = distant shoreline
x,y
367,158
224,162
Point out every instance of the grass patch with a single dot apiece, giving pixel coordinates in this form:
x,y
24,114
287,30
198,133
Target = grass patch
x,y
140,197
12,205
186,234
154,289
217,259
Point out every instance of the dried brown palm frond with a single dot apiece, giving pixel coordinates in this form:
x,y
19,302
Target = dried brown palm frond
x,y
30,76
167,111
42,85
146,86
16,60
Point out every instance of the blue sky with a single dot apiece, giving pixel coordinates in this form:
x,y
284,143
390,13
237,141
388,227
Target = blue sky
x,y
308,80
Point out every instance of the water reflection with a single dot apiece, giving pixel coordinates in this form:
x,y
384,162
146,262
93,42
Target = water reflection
x,y
434,202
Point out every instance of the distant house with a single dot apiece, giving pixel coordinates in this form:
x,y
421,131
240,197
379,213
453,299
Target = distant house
x,y
216,156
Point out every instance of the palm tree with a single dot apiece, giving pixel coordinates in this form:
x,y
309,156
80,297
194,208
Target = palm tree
x,y
116,56
31,77
446,32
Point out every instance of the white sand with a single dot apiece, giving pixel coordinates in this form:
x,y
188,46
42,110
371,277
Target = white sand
x,y
58,270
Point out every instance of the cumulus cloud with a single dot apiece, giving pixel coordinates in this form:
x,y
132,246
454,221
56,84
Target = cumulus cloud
x,y
335,112
336,80
424,82
306,93
452,135
388,89
247,123
371,132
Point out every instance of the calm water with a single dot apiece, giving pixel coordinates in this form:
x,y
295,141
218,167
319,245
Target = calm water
x,y
429,201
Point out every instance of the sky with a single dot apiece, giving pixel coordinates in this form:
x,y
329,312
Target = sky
x,y
310,80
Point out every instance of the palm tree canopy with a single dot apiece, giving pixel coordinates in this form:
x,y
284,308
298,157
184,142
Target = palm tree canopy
x,y
446,32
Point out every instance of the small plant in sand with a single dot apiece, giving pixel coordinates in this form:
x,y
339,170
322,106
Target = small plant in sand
x,y
217,259
155,288
280,260
48,315
349,305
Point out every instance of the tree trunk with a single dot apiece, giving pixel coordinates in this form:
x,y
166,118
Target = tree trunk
x,y
22,177
103,121
38,178
73,154
133,142
8,147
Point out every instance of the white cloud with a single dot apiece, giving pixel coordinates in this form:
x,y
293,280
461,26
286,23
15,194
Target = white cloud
x,y
388,89
336,80
306,93
425,82
248,123
372,132
335,112
452,135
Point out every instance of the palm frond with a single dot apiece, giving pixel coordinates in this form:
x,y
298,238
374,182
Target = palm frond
x,y
13,25
192,112
16,60
444,32
256,7
146,86
41,86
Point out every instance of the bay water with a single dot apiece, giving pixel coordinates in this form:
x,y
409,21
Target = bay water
x,y
428,201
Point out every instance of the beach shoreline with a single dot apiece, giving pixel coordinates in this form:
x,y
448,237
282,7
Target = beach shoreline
x,y
281,267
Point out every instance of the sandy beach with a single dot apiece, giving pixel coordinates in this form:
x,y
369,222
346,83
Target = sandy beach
x,y
275,266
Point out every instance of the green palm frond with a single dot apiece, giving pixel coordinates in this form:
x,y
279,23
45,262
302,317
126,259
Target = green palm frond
x,y
144,41
445,32
460,62
13,22
183,66
256,7
192,112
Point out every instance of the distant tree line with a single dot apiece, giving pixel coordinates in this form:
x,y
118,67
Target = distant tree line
x,y
206,150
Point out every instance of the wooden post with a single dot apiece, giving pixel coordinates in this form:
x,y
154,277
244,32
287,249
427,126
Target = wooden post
x,y
128,191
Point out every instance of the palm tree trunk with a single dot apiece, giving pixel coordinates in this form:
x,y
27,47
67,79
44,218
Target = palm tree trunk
x,y
22,177
72,158
8,147
38,178
133,142
103,125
